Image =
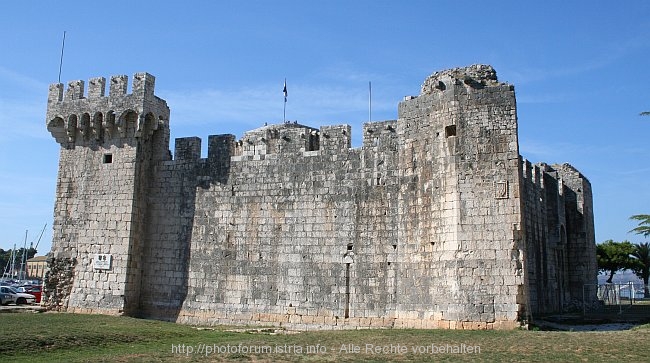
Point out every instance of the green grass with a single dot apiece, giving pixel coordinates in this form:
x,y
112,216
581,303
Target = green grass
x,y
52,337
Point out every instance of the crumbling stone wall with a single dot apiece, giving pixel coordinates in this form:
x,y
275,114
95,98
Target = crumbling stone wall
x,y
434,222
58,282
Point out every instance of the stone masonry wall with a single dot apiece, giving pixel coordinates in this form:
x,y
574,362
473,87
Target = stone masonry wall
x,y
290,237
460,216
434,222
106,152
580,237
561,253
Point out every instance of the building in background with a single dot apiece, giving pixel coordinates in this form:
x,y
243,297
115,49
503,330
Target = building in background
x,y
36,267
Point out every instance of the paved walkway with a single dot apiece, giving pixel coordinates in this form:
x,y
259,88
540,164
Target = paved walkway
x,y
21,308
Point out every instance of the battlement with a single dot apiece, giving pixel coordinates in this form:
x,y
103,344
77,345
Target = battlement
x,y
550,182
75,117
143,85
533,172
274,140
376,134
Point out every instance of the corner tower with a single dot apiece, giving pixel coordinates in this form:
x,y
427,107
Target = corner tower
x,y
460,211
109,144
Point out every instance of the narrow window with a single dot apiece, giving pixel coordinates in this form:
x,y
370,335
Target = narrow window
x,y
314,142
108,158
450,130
347,291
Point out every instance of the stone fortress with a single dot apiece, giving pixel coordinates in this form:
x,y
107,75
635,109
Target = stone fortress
x,y
436,221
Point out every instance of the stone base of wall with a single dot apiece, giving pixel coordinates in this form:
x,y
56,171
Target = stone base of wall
x,y
113,312
305,322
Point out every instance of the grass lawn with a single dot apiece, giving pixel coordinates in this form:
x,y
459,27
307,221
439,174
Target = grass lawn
x,y
55,337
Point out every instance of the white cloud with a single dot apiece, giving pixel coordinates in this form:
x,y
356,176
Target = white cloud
x,y
23,118
606,56
22,114
15,79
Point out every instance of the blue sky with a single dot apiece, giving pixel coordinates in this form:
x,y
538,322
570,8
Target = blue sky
x,y
580,71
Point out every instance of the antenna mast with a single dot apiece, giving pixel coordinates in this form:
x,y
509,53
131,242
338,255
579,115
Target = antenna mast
x,y
61,61
39,237
23,260
13,262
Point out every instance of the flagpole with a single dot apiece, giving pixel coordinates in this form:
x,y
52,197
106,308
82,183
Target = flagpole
x,y
369,101
284,113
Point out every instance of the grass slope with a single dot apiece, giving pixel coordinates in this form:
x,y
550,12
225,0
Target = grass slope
x,y
53,337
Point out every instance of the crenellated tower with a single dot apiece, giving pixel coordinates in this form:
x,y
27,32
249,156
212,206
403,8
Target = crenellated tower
x,y
109,144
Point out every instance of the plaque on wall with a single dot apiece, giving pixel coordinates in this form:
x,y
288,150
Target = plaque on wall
x,y
102,261
501,189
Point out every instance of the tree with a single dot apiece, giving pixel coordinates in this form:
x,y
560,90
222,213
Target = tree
x,y
641,252
641,265
643,228
5,258
614,256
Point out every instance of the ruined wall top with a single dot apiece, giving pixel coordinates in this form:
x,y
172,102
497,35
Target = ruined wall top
x,y
474,76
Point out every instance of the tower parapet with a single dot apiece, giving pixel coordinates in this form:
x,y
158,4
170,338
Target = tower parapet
x,y
75,118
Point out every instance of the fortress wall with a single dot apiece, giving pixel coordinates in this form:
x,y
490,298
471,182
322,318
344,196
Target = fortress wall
x,y
375,260
170,214
291,237
561,253
554,249
542,202
580,237
459,207
535,235
426,207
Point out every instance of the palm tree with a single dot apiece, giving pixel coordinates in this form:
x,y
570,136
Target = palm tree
x,y
643,228
641,266
641,252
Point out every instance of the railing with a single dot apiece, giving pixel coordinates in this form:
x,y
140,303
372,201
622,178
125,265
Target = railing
x,y
614,298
